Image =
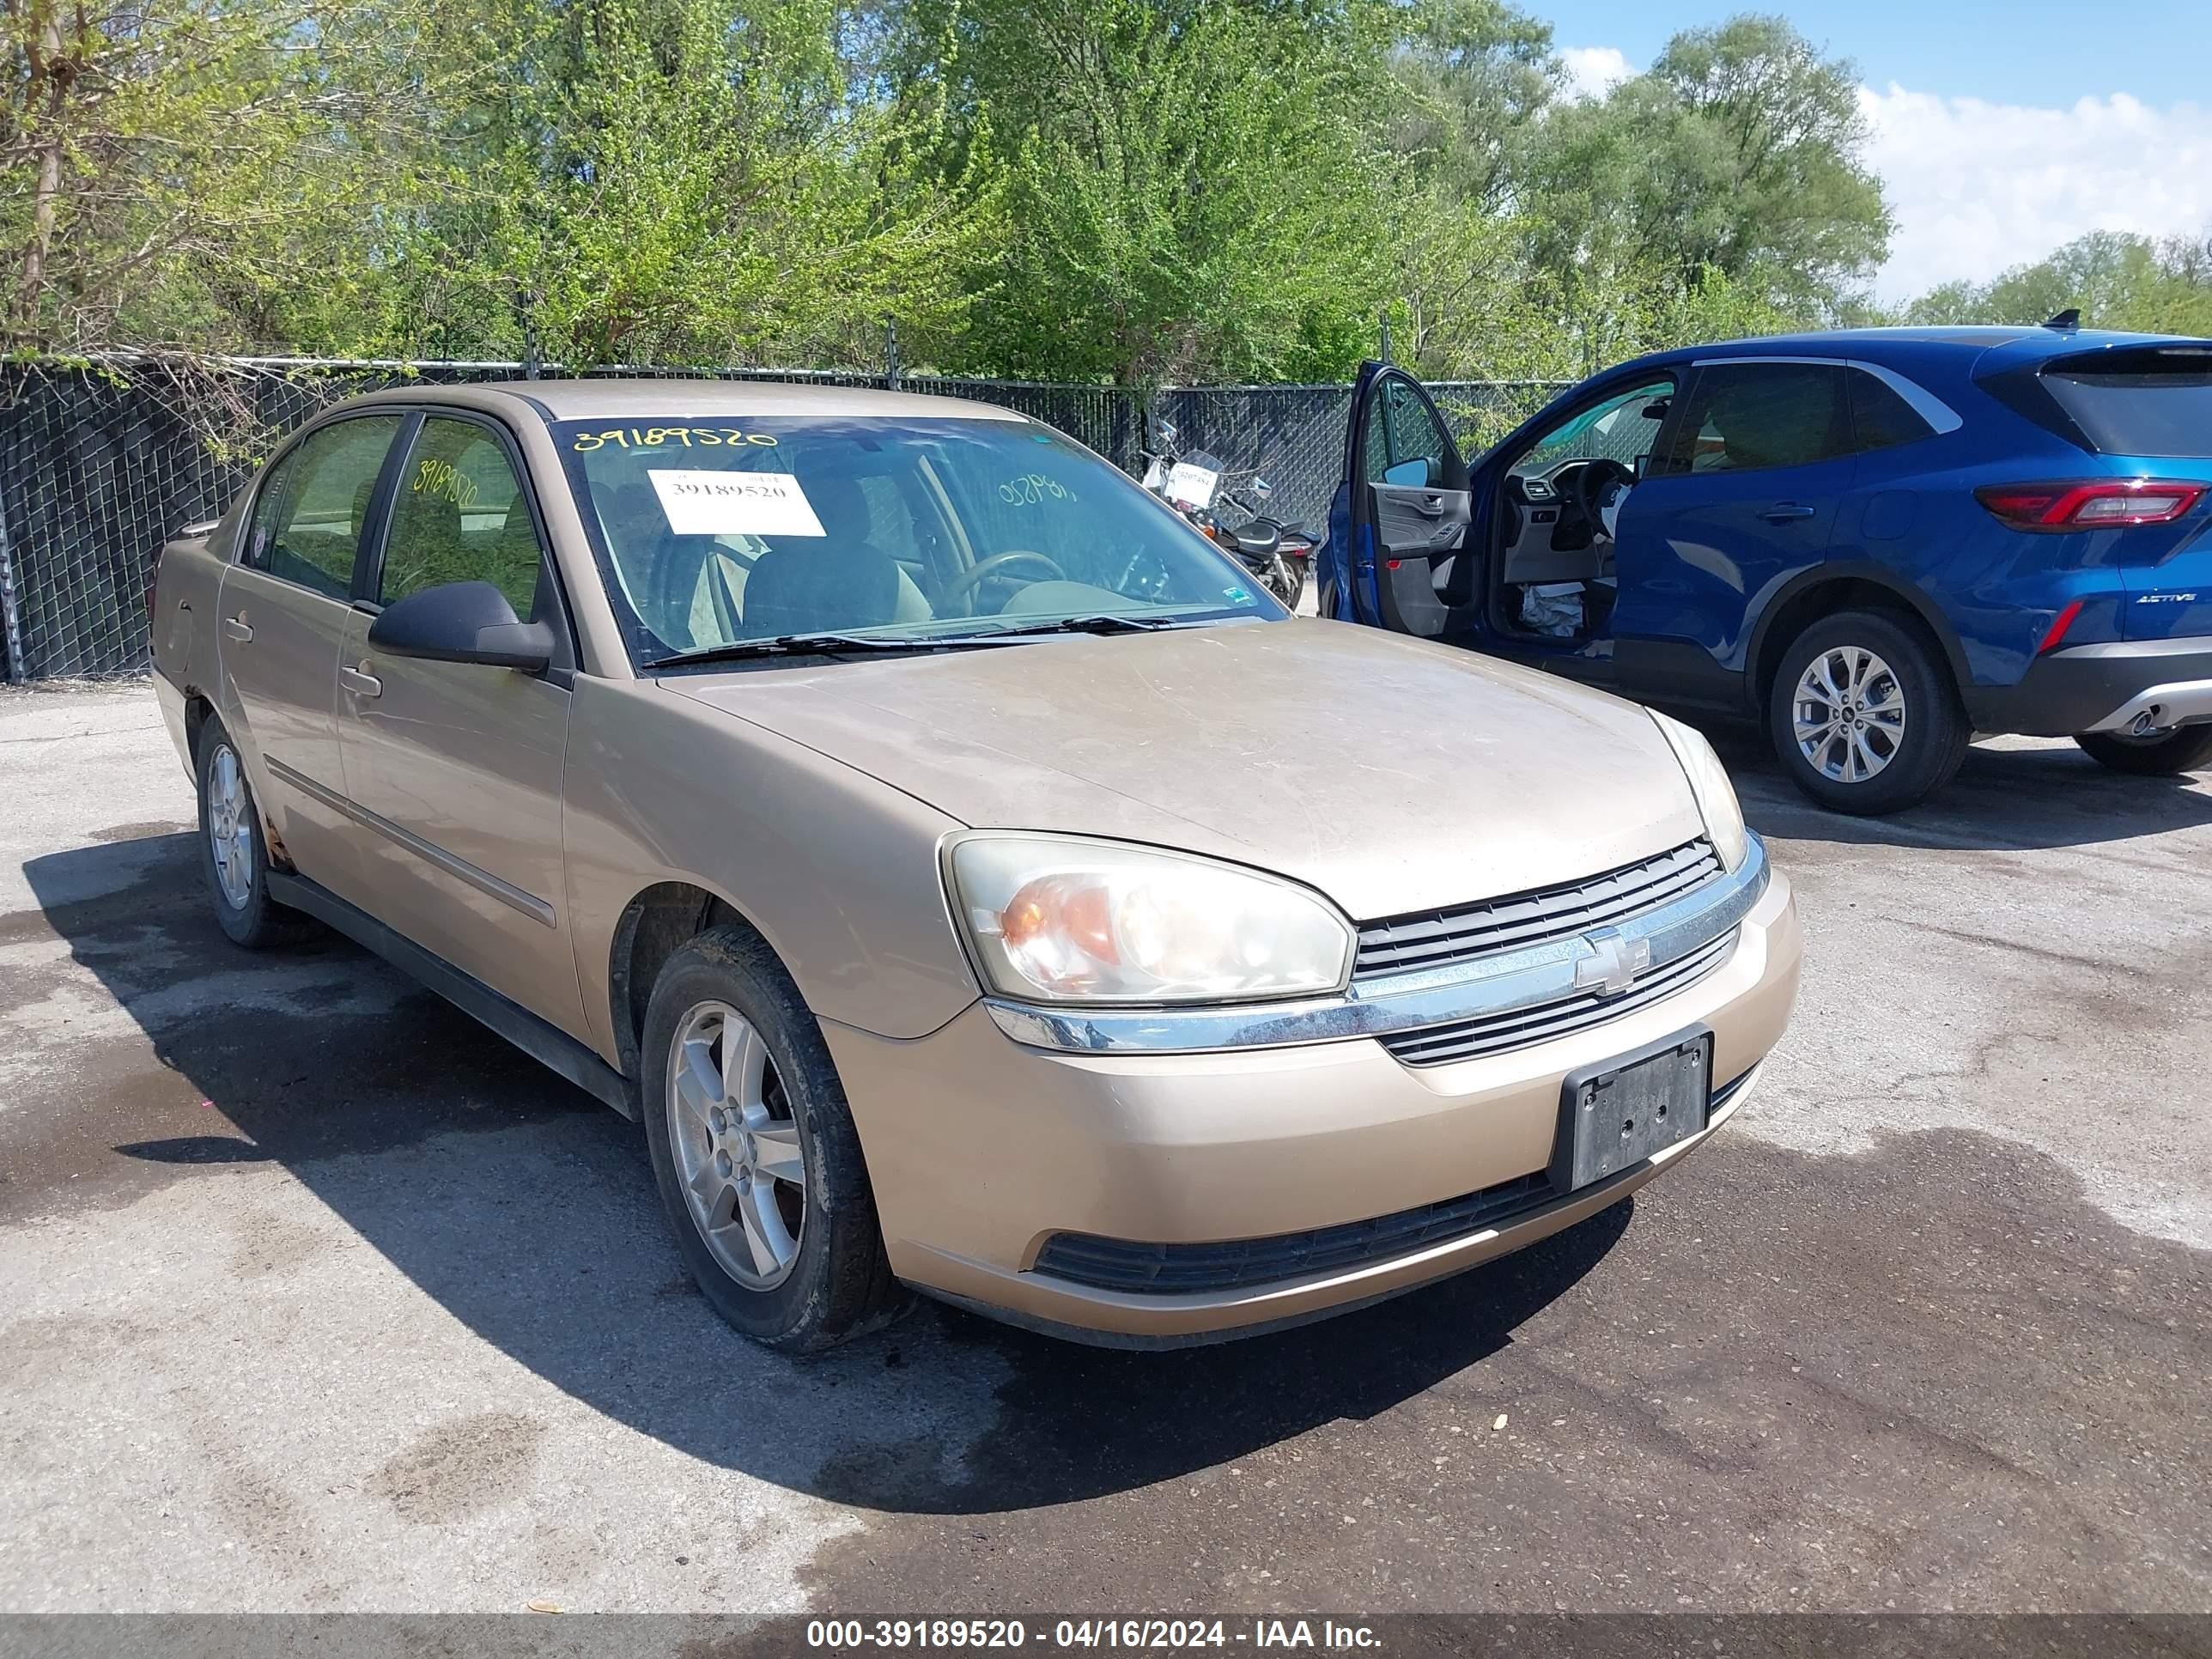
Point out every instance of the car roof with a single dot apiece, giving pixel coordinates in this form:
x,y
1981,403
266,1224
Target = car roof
x,y
2012,343
660,398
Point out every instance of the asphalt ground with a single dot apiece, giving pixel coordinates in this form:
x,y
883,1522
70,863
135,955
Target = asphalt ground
x,y
315,1295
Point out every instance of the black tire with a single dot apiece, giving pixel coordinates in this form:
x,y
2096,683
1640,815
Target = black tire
x,y
840,1285
1933,745
2189,748
258,922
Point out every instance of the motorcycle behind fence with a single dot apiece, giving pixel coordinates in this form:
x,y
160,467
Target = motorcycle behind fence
x,y
1224,506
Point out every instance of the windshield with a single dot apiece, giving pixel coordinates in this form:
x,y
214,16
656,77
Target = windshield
x,y
1618,429
710,534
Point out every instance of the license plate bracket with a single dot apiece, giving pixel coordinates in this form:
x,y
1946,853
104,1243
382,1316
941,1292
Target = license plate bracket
x,y
1618,1113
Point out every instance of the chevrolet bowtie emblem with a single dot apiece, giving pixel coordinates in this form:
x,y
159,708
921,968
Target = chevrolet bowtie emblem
x,y
1615,966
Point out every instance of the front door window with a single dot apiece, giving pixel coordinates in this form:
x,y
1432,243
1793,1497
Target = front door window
x,y
1405,444
460,515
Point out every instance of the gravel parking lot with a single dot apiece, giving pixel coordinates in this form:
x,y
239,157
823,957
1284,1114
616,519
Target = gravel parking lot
x,y
315,1296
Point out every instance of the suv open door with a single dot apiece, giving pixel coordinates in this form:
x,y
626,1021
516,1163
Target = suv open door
x,y
1398,525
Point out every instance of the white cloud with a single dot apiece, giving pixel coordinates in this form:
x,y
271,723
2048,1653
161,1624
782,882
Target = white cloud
x,y
1978,188
1593,71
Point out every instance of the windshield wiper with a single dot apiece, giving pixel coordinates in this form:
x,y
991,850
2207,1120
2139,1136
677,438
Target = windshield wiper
x,y
803,645
799,644
1103,622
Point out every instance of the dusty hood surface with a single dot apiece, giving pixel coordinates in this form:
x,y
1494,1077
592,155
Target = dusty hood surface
x,y
1392,775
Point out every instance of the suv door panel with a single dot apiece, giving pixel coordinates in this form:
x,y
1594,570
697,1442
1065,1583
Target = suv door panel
x,y
1407,536
1744,498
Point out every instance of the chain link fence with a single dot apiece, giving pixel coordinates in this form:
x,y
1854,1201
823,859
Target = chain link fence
x,y
102,464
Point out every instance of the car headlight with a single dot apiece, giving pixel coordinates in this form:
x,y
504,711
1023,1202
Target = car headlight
x,y
1063,919
1709,782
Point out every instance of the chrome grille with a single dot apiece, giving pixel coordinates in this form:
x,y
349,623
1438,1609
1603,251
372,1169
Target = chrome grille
x,y
1437,938
1492,1034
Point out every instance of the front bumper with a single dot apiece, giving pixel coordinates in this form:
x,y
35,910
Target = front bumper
x,y
2122,686
980,1149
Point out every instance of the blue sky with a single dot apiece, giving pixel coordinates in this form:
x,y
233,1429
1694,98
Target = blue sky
x,y
2038,51
2000,132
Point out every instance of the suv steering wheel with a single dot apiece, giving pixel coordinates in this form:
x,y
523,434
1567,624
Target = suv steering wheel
x,y
1592,484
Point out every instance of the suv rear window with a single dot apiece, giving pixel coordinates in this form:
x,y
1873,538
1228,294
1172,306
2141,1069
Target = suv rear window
x,y
2149,400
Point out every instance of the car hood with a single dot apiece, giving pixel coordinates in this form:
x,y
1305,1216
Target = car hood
x,y
1390,774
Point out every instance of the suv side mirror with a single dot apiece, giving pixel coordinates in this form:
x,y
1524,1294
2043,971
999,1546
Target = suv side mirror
x,y
462,621
1417,473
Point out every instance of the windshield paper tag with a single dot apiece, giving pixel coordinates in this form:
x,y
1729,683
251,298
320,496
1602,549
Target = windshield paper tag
x,y
703,502
1193,486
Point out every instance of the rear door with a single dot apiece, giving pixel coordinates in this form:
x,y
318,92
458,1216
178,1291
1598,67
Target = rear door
x,y
281,614
1397,555
1742,495
454,769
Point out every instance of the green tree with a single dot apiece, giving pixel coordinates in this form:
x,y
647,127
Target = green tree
x,y
1189,192
186,170
2115,280
685,181
1737,152
1470,78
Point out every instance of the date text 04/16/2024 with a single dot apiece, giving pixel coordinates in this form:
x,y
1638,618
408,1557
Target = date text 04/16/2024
x,y
1121,1633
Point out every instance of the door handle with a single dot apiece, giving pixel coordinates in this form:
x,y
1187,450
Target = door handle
x,y
1783,512
1431,506
236,627
360,682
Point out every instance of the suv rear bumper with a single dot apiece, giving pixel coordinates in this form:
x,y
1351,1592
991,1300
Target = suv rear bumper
x,y
2101,688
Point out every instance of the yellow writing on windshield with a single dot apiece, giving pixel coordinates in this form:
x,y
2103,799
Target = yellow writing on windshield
x,y
656,437
1034,490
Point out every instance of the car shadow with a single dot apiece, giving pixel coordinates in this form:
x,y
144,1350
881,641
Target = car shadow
x,y
527,1212
2013,794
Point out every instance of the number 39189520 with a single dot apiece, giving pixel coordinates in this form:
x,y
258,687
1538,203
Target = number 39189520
x,y
655,437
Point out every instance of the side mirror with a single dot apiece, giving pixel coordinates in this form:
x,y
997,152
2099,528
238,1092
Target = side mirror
x,y
1167,433
1261,490
461,622
1658,408
1418,473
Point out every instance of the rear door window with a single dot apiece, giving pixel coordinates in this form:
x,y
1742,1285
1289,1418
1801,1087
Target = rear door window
x,y
1754,415
2154,400
308,521
1881,419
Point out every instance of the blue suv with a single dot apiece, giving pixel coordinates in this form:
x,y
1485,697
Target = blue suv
x,y
1879,542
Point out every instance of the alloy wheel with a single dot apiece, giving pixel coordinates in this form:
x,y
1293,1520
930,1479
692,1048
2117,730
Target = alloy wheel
x,y
230,829
1848,714
737,1145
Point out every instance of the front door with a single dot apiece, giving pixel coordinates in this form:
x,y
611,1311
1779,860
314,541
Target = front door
x,y
1397,555
281,612
454,769
1742,496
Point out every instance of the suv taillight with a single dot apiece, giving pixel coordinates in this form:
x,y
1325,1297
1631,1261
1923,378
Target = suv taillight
x,y
2090,504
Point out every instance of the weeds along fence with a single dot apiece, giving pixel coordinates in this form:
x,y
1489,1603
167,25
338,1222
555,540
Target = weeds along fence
x,y
102,464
